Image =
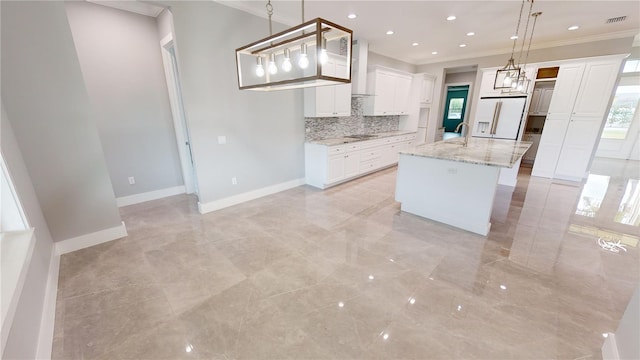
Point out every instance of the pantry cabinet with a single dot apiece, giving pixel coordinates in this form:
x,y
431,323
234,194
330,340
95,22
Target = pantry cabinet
x,y
427,83
330,100
391,92
540,101
576,114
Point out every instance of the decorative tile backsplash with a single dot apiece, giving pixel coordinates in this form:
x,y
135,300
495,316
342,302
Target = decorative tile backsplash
x,y
357,123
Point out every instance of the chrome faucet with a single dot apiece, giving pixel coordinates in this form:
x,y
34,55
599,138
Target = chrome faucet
x,y
466,136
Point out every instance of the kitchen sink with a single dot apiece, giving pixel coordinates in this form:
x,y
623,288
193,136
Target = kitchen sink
x,y
362,136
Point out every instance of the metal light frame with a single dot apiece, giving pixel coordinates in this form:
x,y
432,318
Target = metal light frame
x,y
510,70
310,35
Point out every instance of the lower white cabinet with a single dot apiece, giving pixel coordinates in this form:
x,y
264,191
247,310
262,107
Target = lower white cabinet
x,y
326,166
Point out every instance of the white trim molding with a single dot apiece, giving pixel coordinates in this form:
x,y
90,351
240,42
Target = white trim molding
x,y
45,339
610,348
88,240
248,196
148,196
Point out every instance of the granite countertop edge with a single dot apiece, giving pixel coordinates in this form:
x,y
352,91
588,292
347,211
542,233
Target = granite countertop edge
x,y
347,140
504,153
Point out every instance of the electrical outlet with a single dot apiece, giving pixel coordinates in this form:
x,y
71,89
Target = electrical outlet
x,y
132,180
234,181
222,139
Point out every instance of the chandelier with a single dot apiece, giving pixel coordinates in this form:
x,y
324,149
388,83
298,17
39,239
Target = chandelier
x,y
314,53
512,77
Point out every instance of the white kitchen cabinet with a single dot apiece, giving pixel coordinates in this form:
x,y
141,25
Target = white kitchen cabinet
x,y
326,166
427,83
391,90
578,108
566,90
540,101
595,92
486,86
330,100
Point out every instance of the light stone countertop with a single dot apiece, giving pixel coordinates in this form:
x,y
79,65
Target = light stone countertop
x,y
347,140
490,152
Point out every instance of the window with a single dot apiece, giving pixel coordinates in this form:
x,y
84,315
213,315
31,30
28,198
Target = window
x,y
623,108
631,66
455,108
13,218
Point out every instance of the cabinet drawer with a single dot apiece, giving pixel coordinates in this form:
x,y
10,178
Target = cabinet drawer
x,y
369,154
352,147
370,165
336,150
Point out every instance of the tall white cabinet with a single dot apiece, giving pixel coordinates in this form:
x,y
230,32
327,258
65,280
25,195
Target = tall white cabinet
x,y
576,115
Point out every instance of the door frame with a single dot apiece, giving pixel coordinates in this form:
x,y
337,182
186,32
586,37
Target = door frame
x,y
180,125
443,109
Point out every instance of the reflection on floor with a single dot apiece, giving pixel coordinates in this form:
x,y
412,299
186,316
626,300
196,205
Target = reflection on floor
x,y
342,273
450,135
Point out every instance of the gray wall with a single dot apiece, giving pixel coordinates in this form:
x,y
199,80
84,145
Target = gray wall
x,y
462,77
22,342
265,131
120,57
48,107
377,59
596,48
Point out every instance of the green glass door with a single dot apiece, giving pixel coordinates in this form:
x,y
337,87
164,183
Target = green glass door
x,y
455,107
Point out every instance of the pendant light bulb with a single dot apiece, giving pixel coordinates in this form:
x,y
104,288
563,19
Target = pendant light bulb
x,y
323,57
259,67
507,81
303,61
273,69
286,63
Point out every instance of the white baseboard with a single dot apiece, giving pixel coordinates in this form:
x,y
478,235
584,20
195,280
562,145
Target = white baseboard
x,y
151,195
248,196
87,240
45,339
610,348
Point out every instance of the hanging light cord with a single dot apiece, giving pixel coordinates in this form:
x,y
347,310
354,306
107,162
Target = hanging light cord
x,y
526,30
535,19
270,13
513,49
302,11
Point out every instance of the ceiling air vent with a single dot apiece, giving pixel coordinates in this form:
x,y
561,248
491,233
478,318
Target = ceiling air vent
x,y
616,19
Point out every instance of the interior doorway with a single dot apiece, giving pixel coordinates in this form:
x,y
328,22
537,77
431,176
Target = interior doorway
x,y
455,109
183,138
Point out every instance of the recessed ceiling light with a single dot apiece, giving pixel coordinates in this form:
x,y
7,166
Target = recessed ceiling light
x,y
390,32
415,44
352,16
513,37
573,27
471,33
434,53
451,18
463,45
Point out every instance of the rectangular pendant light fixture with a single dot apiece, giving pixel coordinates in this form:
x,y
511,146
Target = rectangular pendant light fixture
x,y
315,53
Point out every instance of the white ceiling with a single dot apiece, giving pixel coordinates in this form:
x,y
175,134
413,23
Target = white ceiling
x,y
425,22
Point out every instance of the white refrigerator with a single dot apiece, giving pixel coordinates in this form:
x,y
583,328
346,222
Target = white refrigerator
x,y
499,117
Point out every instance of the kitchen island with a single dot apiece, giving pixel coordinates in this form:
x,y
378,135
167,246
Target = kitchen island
x,y
455,184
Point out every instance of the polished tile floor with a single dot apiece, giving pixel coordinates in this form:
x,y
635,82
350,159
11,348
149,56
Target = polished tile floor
x,y
343,274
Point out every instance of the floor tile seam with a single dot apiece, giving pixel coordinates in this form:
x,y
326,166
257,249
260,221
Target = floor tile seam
x,y
112,289
244,316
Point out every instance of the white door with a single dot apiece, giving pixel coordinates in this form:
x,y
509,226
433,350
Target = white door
x,y
351,164
401,97
325,96
181,128
335,168
509,119
385,93
566,89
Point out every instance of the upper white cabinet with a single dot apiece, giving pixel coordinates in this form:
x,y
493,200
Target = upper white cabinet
x,y
578,108
595,92
566,90
391,92
427,83
540,101
330,100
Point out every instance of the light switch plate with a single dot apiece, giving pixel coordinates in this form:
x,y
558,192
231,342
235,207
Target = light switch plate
x,y
222,139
